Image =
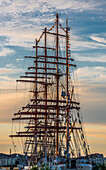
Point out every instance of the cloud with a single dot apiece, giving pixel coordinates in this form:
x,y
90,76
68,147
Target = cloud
x,y
17,37
92,74
74,5
19,59
8,77
96,57
9,70
80,43
21,6
92,88
99,39
6,51
5,78
13,101
10,65
21,20
18,6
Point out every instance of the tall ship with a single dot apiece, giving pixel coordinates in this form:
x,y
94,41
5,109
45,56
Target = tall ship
x,y
52,121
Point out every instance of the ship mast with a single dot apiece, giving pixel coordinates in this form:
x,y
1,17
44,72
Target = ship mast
x,y
57,84
67,95
36,90
45,99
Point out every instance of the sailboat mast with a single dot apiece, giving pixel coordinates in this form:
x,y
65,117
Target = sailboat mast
x,y
36,102
57,84
45,81
67,110
45,98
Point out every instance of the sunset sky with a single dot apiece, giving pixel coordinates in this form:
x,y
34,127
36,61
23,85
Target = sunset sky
x,y
21,21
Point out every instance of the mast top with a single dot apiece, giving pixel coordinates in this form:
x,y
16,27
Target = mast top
x,y
57,16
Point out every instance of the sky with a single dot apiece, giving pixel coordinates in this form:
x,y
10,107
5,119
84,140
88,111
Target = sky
x,y
21,22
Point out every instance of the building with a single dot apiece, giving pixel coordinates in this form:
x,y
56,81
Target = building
x,y
7,160
97,159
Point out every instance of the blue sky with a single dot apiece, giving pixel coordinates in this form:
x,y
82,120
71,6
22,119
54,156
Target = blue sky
x,y
21,21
